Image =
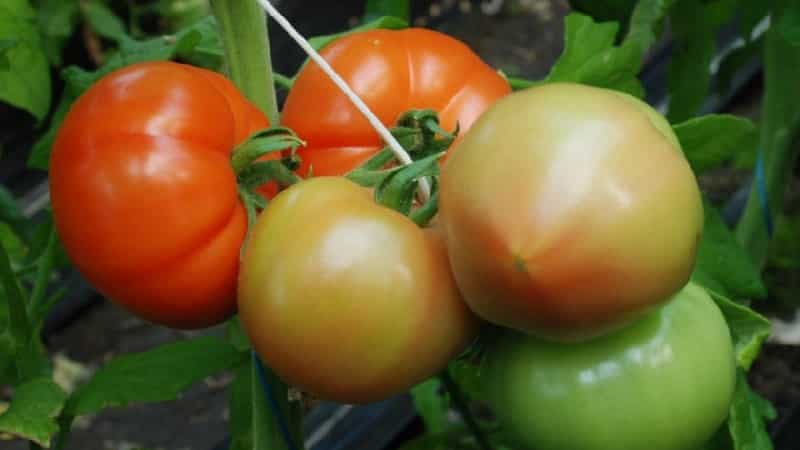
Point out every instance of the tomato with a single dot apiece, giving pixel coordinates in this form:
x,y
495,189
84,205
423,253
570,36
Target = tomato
x,y
587,217
663,383
144,196
392,71
347,299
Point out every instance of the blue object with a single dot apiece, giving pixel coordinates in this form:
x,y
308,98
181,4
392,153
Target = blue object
x,y
273,403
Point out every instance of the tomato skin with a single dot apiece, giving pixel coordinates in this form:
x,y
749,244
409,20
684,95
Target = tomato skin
x,y
663,383
347,299
143,193
589,218
393,71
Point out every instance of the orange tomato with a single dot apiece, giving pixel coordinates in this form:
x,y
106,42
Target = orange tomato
x,y
143,193
392,71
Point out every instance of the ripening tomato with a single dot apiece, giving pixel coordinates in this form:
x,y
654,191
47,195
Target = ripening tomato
x,y
348,299
663,383
144,196
393,71
587,217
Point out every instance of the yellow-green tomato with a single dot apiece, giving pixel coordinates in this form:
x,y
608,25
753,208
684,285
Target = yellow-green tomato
x,y
569,211
347,299
663,383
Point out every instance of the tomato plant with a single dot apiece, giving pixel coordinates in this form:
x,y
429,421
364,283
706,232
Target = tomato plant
x,y
664,383
591,216
393,72
144,196
359,304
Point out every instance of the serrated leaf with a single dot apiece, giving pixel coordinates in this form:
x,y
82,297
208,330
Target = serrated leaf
x,y
749,329
33,410
432,404
606,10
723,265
746,421
712,140
590,57
57,21
240,394
103,21
25,82
395,8
153,376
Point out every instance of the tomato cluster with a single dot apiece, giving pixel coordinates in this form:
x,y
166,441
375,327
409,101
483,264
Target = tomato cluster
x,y
569,218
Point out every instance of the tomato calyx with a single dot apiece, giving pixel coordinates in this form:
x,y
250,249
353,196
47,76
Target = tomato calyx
x,y
419,133
253,171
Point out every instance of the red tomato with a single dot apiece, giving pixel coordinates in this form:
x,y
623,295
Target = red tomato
x,y
144,196
587,217
393,72
346,298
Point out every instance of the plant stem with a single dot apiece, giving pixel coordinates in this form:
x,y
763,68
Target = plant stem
x,y
779,126
243,28
463,408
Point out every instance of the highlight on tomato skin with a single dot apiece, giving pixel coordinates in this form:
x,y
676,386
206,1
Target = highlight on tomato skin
x,y
347,299
143,193
393,71
588,217
665,382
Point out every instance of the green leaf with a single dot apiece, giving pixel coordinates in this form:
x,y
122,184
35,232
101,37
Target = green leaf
x,y
240,394
590,57
694,27
723,265
390,23
235,335
5,46
130,51
712,140
646,22
154,376
749,329
33,410
395,8
606,10
25,82
789,25
104,21
432,404
57,21
746,421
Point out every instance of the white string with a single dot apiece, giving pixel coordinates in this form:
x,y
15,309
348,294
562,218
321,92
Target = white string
x,y
385,134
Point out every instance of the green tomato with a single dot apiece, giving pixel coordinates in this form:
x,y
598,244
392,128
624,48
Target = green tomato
x,y
663,383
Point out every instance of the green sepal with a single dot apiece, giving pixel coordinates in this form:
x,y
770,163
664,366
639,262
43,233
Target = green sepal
x,y
397,190
263,142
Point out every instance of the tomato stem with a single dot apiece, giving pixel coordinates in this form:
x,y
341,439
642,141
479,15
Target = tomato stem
x,y
778,146
463,408
243,29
